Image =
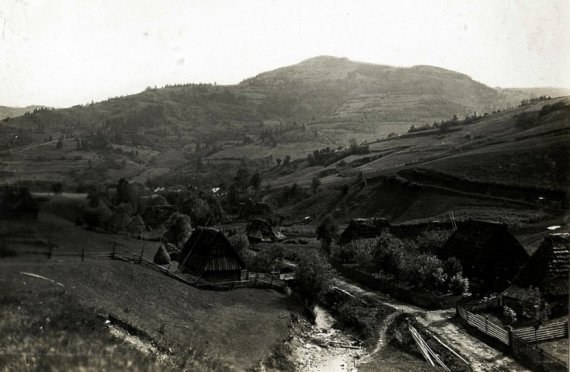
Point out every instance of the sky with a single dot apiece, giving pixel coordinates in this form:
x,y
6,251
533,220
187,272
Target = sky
x,y
66,52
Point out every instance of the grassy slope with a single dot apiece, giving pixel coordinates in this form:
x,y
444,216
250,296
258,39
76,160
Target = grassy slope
x,y
235,329
494,150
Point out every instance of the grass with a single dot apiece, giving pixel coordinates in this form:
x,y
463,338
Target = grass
x,y
48,330
205,330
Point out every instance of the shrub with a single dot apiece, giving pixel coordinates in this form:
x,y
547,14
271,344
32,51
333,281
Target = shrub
x,y
452,267
426,271
458,284
509,315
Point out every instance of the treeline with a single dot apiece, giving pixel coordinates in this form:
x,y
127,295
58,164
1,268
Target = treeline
x,y
328,156
526,120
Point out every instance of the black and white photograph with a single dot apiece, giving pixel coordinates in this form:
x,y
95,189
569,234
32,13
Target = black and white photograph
x,y
284,185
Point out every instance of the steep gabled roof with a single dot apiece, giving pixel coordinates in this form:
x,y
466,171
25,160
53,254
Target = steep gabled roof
x,y
208,249
485,249
548,266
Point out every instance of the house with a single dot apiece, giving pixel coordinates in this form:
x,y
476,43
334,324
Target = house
x,y
547,270
260,230
488,252
362,228
209,255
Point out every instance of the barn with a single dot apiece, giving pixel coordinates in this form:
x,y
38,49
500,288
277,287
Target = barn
x,y
209,255
546,270
362,228
488,252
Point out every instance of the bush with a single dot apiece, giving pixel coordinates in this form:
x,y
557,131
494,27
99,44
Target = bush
x,y
509,315
459,285
452,266
426,271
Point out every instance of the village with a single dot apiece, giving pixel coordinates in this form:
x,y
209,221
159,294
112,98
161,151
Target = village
x,y
296,186
378,283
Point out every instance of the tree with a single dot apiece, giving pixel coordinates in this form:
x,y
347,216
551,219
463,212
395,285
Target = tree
x,y
315,183
59,144
178,229
125,193
255,181
327,232
278,161
314,276
389,254
287,160
242,177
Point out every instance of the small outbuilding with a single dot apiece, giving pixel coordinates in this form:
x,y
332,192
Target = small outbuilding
x,y
488,252
209,255
363,228
260,230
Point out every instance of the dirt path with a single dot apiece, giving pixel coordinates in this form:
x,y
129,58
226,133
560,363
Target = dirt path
x,y
381,337
320,347
482,357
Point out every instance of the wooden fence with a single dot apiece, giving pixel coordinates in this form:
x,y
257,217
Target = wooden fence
x,y
483,324
545,332
518,340
535,358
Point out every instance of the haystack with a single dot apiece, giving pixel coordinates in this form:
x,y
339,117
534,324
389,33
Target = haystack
x,y
162,257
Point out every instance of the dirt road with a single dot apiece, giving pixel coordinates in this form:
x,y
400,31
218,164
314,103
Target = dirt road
x,y
482,357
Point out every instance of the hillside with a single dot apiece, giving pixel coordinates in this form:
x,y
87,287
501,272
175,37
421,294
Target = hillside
x,y
167,135
510,166
12,112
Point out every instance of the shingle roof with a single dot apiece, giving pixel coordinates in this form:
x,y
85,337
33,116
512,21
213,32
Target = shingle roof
x,y
486,250
208,249
548,266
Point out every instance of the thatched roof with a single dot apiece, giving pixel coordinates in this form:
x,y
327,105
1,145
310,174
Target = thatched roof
x,y
260,229
547,269
487,250
363,228
208,249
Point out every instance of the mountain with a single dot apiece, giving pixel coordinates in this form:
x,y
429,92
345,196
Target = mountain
x,y
287,112
12,112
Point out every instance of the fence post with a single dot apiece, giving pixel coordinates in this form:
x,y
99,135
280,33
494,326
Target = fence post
x,y
114,247
83,254
50,250
510,336
141,256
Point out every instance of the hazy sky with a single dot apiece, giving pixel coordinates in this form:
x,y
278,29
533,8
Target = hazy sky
x,y
61,53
